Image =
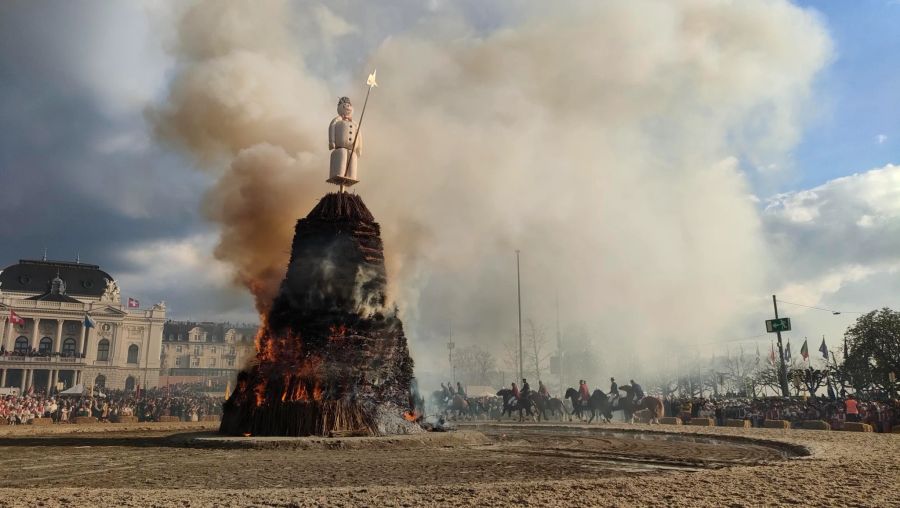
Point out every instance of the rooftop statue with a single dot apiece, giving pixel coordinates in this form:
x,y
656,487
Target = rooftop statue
x,y
345,142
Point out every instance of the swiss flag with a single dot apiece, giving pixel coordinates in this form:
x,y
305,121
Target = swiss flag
x,y
16,319
133,304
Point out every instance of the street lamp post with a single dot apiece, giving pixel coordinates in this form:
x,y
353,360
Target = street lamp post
x,y
519,292
450,346
782,368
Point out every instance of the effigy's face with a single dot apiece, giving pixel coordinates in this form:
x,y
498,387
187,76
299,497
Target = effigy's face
x,y
345,110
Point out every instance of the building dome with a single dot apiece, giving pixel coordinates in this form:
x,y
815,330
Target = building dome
x,y
39,277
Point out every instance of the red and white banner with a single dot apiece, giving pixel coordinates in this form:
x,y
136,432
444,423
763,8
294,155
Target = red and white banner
x,y
133,304
16,319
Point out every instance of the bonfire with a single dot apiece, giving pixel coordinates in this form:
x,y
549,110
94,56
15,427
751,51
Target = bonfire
x,y
332,358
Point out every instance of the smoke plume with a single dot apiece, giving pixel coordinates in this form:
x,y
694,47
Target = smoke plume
x,y
609,141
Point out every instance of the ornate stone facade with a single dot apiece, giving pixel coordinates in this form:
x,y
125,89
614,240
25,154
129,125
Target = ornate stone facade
x,y
55,348
210,353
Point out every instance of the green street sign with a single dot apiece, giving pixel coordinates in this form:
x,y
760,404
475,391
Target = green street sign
x,y
778,325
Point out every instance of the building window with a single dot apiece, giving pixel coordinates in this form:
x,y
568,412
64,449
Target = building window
x,y
68,348
212,362
103,350
212,350
178,349
45,345
129,384
132,353
231,362
100,381
21,345
195,362
197,351
178,362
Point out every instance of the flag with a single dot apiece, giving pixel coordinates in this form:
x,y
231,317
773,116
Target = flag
x,y
16,319
133,304
88,322
772,354
787,352
804,351
371,81
823,349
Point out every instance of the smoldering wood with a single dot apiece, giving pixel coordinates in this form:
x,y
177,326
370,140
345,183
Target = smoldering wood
x,y
331,352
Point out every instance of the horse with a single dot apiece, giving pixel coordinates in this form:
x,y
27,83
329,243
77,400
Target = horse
x,y
543,403
629,406
458,404
520,404
598,404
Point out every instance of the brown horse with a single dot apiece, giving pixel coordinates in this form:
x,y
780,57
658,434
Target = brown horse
x,y
458,404
543,404
627,404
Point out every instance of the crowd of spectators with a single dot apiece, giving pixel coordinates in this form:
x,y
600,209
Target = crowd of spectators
x,y
37,353
186,402
882,415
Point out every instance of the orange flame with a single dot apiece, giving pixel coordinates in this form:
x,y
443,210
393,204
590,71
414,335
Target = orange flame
x,y
410,417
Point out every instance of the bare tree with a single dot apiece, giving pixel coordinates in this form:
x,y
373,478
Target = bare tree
x,y
475,365
536,350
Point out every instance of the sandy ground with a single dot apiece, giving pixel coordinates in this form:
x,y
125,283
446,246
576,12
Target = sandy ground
x,y
531,465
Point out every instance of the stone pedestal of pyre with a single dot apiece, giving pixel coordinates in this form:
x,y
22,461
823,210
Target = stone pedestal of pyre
x,y
332,358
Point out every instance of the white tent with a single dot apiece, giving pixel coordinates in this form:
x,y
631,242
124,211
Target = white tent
x,y
480,391
75,390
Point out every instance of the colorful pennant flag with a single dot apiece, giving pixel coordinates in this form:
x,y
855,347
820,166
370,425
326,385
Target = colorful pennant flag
x,y
804,351
823,349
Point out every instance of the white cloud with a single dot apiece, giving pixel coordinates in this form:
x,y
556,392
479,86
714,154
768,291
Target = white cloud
x,y
845,231
881,138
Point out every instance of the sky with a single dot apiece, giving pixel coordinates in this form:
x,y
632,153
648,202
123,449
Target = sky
x,y
665,167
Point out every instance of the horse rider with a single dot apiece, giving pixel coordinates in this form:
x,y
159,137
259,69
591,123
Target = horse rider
x,y
613,390
451,390
524,396
584,392
542,390
460,391
638,391
445,392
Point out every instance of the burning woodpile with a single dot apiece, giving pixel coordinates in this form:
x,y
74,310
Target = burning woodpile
x,y
332,359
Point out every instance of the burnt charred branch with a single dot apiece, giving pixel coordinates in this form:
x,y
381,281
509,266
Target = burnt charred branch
x,y
332,352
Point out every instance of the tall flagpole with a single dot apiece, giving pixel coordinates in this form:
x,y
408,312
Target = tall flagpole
x,y
371,84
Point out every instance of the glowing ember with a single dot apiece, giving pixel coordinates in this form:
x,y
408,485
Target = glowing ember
x,y
330,351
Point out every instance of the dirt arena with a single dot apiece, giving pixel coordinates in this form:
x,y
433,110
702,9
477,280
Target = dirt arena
x,y
536,465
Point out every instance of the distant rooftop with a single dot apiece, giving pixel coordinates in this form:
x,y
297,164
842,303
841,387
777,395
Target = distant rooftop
x,y
36,276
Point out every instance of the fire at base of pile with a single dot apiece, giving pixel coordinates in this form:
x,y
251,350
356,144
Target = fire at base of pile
x,y
332,359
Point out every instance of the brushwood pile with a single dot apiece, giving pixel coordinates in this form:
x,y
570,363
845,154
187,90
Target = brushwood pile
x,y
332,358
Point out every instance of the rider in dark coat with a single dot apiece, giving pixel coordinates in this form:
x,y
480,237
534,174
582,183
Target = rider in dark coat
x,y
460,391
638,391
613,389
526,390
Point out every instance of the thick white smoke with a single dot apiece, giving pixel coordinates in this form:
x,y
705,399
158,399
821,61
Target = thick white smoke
x,y
606,140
